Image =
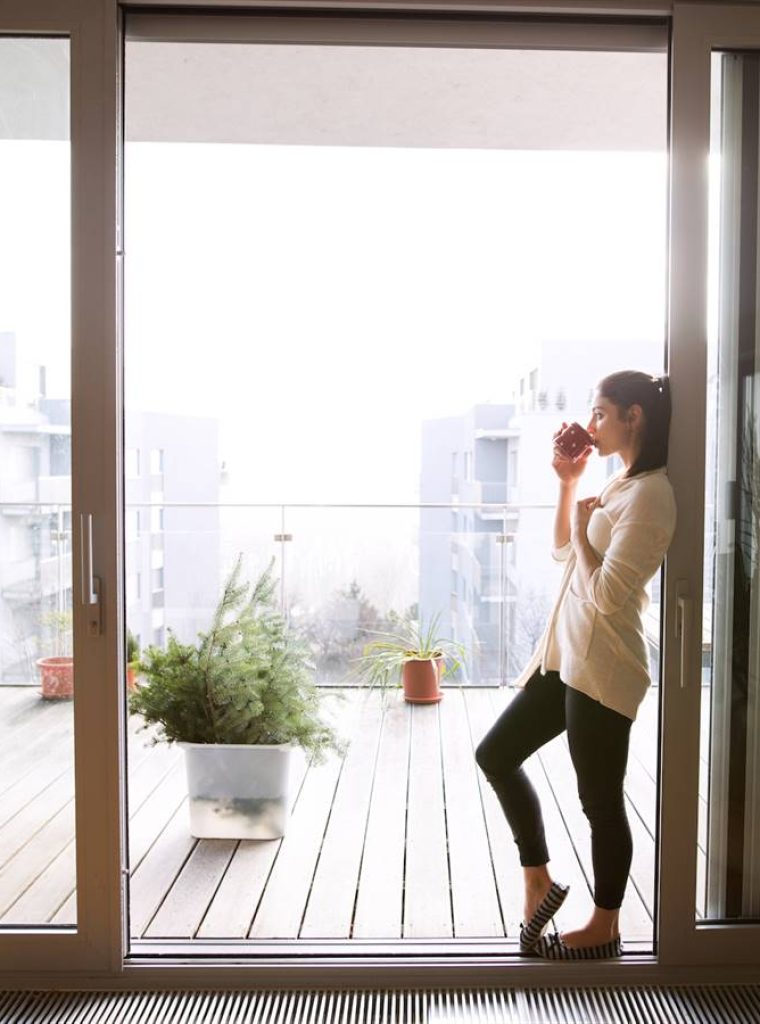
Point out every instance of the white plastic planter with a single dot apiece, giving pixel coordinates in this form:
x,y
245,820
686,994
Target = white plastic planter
x,y
237,791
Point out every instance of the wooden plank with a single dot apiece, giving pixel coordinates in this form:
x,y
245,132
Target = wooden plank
x,y
282,906
25,713
14,700
235,901
55,886
40,902
380,896
148,822
147,774
185,904
234,904
158,870
42,735
27,789
18,873
67,912
25,752
475,902
45,896
482,712
34,816
330,907
641,790
427,902
57,880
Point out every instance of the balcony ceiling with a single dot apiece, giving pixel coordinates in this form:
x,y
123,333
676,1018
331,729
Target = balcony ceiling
x,y
361,96
330,95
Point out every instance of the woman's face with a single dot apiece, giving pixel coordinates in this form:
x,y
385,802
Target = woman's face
x,y
608,426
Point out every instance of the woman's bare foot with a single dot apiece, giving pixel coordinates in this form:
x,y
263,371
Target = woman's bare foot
x,y
538,882
603,926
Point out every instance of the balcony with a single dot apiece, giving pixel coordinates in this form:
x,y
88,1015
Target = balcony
x,y
401,839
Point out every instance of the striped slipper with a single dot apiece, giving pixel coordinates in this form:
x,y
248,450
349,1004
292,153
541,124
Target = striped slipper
x,y
551,947
531,932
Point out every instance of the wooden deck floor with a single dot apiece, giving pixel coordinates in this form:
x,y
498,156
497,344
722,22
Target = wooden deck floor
x,y
402,838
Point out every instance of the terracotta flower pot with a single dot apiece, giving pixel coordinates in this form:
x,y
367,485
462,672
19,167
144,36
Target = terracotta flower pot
x,y
422,680
56,677
131,678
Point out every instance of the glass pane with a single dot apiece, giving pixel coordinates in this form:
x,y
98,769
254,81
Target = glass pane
x,y
37,861
363,288
336,593
729,878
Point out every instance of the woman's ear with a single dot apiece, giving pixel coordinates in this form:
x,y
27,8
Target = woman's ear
x,y
635,416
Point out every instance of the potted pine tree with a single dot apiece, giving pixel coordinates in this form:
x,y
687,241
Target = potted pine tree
x,y
416,655
237,702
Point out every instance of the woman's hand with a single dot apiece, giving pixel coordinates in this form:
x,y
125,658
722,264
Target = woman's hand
x,y
579,519
568,470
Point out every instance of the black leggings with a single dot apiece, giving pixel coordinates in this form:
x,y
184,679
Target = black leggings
x,y
598,741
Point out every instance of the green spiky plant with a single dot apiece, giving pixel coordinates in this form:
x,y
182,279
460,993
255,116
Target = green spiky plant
x,y
384,657
247,680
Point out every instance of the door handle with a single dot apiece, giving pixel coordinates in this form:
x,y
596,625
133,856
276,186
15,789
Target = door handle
x,y
684,612
90,582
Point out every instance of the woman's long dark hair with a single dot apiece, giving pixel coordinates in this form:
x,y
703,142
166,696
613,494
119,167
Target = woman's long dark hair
x,y
629,387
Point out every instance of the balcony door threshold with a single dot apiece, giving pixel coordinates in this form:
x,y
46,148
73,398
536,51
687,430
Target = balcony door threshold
x,y
347,950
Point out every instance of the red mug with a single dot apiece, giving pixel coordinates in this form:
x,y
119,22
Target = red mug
x,y
573,441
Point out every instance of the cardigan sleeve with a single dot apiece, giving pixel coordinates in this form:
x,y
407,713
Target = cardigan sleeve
x,y
562,554
638,542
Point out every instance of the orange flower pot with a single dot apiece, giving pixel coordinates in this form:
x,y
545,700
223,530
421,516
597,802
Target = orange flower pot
x,y
56,678
422,680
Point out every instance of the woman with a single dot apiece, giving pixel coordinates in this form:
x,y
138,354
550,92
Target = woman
x,y
590,671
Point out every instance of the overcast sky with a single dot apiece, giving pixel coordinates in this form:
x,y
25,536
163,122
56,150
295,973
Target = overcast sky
x,y
323,301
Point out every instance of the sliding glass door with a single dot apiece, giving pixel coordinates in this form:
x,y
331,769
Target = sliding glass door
x,y
59,863
710,841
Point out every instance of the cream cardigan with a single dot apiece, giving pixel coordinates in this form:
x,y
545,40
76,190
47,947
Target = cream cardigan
x,y
595,635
